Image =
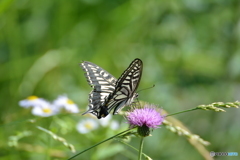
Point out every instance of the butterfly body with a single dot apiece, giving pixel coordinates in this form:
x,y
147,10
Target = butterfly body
x,y
108,92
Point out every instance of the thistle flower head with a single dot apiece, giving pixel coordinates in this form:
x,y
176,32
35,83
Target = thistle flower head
x,y
145,118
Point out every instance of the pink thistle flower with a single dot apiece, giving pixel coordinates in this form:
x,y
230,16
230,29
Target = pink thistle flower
x,y
145,118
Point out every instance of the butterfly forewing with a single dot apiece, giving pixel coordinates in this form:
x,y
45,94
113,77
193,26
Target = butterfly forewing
x,y
131,77
103,84
98,77
124,93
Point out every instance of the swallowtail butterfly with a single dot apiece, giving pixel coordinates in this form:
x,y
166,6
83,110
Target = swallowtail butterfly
x,y
109,93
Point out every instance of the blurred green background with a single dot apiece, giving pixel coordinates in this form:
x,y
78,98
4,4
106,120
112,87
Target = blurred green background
x,y
190,50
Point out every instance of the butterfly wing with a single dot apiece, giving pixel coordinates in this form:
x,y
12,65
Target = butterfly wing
x,y
124,93
103,84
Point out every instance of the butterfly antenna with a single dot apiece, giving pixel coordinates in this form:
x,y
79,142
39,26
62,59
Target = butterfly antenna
x,y
146,88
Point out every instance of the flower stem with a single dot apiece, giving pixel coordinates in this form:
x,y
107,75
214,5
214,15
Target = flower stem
x,y
140,149
100,143
181,112
146,156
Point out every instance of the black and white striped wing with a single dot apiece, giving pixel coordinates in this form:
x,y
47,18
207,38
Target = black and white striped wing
x,y
126,86
103,84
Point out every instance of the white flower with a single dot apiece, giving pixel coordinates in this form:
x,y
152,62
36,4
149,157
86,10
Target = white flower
x,y
32,101
87,125
45,110
67,104
105,121
114,125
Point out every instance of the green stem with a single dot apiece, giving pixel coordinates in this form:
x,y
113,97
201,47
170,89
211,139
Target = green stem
x,y
140,149
146,156
100,143
182,112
